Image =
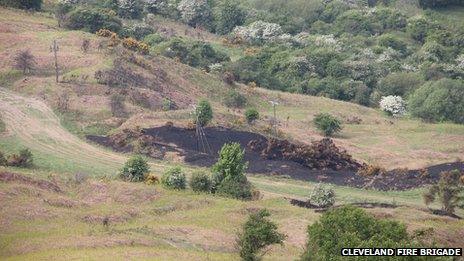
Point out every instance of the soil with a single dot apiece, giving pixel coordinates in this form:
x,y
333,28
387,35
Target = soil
x,y
320,161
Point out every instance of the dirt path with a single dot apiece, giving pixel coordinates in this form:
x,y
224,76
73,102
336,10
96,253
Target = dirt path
x,y
38,128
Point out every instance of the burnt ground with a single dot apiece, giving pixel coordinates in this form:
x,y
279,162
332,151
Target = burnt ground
x,y
339,168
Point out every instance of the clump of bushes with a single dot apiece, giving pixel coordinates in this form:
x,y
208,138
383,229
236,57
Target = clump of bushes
x,y
327,124
91,20
203,113
174,178
228,173
322,196
23,160
257,233
201,182
448,191
135,169
353,227
235,99
134,45
251,115
22,4
439,101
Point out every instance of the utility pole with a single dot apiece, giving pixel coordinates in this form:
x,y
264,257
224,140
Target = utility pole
x,y
54,48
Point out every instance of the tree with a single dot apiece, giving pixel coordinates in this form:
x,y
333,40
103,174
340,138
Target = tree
x,y
195,12
351,227
174,178
135,169
129,9
400,84
322,196
91,20
393,105
448,191
327,123
24,61
230,16
228,173
257,233
438,101
203,113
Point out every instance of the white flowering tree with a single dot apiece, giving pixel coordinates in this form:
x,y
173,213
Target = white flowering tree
x,y
195,12
129,8
156,6
258,32
393,105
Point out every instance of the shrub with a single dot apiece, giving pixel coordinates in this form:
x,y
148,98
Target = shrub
x,y
352,227
22,4
134,45
129,9
154,39
257,233
322,196
389,40
24,61
393,105
228,173
251,115
230,15
135,169
399,84
235,99
151,179
24,159
174,178
195,12
439,101
327,123
138,31
448,191
228,78
203,113
91,20
200,182
371,171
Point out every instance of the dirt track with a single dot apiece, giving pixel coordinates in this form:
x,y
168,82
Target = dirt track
x,y
37,127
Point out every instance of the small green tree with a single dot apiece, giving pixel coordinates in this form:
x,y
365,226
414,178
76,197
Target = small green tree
x,y
228,173
351,227
230,15
135,169
322,196
258,233
449,191
3,161
201,182
204,112
174,178
327,123
251,115
234,99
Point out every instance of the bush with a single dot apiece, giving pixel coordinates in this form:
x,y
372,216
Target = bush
x,y
92,20
174,178
393,105
137,31
151,179
322,196
135,169
257,233
153,39
228,173
350,227
131,9
203,112
389,40
448,191
134,45
195,12
234,99
24,61
230,15
22,4
201,182
399,84
23,160
437,101
327,123
251,115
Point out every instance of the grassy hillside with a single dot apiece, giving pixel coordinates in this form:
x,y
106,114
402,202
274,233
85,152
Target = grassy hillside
x,y
37,222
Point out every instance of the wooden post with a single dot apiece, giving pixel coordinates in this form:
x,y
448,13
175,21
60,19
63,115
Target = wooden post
x,y
54,48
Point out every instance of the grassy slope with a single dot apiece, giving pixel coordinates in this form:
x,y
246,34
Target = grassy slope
x,y
45,231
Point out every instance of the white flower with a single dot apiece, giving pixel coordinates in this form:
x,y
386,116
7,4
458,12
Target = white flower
x,y
194,11
393,105
259,31
460,61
